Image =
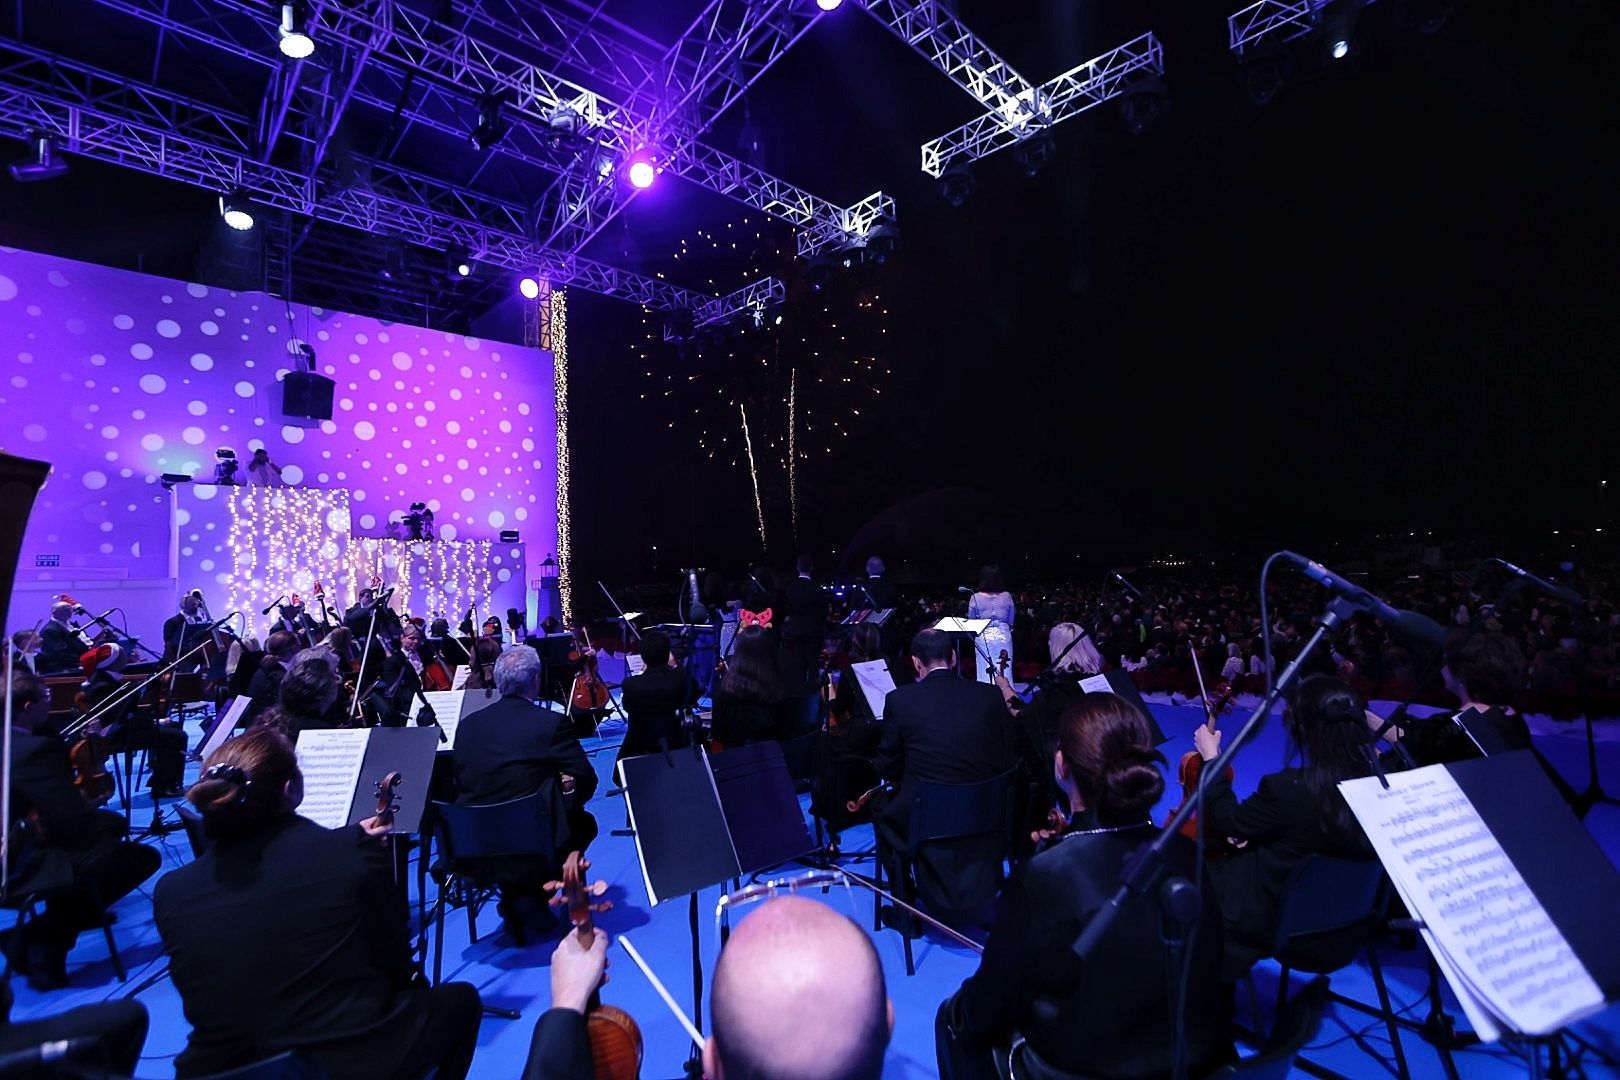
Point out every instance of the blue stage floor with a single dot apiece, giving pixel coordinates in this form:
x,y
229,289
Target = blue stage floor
x,y
1349,1042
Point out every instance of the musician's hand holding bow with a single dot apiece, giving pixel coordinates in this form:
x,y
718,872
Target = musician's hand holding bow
x,y
577,970
1208,741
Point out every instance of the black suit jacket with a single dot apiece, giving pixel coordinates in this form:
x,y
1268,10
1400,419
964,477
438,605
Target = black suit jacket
x,y
292,938
882,593
59,649
560,1048
1106,1017
504,751
653,702
804,610
945,729
42,780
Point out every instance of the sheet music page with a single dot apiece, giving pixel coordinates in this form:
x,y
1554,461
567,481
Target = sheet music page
x,y
330,759
1494,933
875,682
459,680
634,664
446,708
1096,684
951,624
227,725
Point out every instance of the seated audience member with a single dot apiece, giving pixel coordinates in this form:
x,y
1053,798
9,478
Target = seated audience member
x,y
74,842
1109,1015
60,646
751,704
947,730
1294,813
309,695
265,687
131,724
507,750
117,1027
655,700
286,936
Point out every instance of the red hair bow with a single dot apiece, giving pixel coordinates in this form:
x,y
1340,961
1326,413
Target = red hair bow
x,y
746,618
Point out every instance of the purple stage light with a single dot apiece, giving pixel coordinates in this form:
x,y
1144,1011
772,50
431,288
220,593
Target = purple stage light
x,y
530,288
642,174
828,5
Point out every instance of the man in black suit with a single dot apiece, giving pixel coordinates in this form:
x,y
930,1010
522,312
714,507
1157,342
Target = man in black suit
x,y
948,730
804,624
180,633
60,645
76,843
879,590
655,699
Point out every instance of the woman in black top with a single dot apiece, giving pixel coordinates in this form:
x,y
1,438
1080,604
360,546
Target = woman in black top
x,y
1295,813
286,936
853,733
749,706
1108,1016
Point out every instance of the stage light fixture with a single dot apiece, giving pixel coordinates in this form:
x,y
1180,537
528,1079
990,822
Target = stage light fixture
x,y
1263,73
821,270
1143,104
491,127
956,185
1340,49
829,5
530,288
1035,152
42,163
236,211
642,174
457,264
882,240
1338,28
295,43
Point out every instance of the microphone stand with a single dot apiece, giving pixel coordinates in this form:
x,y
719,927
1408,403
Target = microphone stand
x,y
365,654
1145,869
628,625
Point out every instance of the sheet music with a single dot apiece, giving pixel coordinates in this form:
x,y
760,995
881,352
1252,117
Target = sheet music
x,y
458,681
1496,937
1096,684
875,682
330,759
634,664
446,709
226,726
952,625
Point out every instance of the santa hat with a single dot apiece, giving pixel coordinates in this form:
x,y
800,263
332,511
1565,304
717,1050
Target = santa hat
x,y
100,656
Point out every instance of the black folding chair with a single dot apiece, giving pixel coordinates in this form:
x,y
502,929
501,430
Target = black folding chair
x,y
196,833
472,839
25,902
1294,1027
970,821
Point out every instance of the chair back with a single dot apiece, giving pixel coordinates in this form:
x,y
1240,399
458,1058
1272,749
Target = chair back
x,y
196,833
1329,906
941,812
517,827
959,838
800,754
1295,1027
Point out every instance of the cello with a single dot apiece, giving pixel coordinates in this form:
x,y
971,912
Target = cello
x,y
590,693
616,1044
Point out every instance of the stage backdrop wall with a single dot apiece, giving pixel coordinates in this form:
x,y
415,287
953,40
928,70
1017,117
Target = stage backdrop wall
x,y
116,377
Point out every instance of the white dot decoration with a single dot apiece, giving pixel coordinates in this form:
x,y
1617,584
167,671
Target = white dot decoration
x,y
168,328
141,351
123,322
95,481
202,362
290,434
194,436
292,474
153,384
365,431
151,441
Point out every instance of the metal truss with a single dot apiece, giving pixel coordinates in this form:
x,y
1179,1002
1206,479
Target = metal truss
x,y
752,300
851,229
940,37
1271,22
1069,94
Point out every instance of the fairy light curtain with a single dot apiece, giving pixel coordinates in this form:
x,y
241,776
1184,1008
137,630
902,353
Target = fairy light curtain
x,y
431,578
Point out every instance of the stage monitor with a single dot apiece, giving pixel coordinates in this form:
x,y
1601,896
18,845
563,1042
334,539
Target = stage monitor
x,y
307,395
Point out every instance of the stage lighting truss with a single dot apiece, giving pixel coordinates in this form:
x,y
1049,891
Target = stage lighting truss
x,y
1275,22
1080,88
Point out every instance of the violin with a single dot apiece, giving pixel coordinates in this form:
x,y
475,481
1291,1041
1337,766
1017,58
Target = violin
x,y
590,693
616,1044
89,757
387,790
1191,767
858,803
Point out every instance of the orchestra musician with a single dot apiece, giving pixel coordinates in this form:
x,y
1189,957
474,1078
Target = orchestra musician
x,y
68,840
655,700
286,936
60,642
1108,1015
129,725
292,618
853,732
751,704
25,649
264,688
181,632
804,625
992,601
879,590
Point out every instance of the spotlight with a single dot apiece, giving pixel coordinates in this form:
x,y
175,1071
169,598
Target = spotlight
x,y
491,127
956,185
777,321
294,32
829,5
820,273
564,122
457,264
882,240
1035,152
42,164
1143,104
1338,28
530,288
237,211
642,174
1263,74
1340,49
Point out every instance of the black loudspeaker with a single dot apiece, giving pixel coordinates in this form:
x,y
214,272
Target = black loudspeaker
x,y
306,394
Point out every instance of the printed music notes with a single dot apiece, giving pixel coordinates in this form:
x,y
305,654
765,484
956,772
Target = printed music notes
x,y
330,760
1509,963
875,682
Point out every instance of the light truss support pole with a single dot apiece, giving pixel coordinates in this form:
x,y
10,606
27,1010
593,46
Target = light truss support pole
x,y
1271,22
1054,101
941,38
753,300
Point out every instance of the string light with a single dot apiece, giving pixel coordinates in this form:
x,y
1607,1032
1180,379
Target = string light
x,y
793,457
282,541
559,359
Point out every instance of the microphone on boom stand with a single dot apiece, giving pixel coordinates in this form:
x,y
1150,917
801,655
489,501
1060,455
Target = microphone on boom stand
x,y
273,604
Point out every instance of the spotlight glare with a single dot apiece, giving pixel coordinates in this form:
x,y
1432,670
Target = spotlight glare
x,y
295,41
1341,49
642,174
236,211
829,5
530,288
464,269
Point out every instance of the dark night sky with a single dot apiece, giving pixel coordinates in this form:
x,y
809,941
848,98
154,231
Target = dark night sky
x,y
1386,300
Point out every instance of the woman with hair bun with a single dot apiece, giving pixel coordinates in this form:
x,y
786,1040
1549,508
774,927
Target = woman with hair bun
x,y
1108,1016
286,936
1294,814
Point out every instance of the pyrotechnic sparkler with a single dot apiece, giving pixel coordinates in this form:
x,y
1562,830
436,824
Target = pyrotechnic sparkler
x,y
759,503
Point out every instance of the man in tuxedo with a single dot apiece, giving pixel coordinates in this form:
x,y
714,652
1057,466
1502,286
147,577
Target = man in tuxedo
x,y
654,700
508,750
946,730
292,618
879,589
804,624
60,645
180,634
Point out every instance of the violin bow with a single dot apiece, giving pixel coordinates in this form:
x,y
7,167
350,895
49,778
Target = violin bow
x,y
1209,708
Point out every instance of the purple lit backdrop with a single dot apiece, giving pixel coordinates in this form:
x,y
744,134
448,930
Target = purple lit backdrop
x,y
115,377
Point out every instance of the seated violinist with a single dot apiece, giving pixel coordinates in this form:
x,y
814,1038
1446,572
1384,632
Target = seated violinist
x,y
1108,1015
853,732
655,700
60,643
751,704
129,723
401,679
68,840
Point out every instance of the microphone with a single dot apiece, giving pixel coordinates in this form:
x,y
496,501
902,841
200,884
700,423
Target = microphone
x,y
1415,628
102,618
273,604
1557,592
1132,589
964,590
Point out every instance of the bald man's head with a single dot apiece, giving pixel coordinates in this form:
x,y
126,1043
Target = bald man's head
x,y
799,994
